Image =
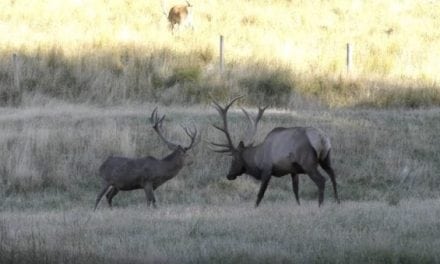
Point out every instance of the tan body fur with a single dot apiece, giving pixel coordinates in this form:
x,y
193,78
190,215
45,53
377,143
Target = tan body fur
x,y
180,15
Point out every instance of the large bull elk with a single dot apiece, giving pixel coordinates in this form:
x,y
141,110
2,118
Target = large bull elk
x,y
148,173
293,150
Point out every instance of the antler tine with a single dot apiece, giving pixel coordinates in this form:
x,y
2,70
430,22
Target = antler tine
x,y
226,150
190,132
247,115
222,150
232,101
219,144
219,128
153,115
160,122
157,122
187,131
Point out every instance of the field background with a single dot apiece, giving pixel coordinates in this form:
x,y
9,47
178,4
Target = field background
x,y
116,51
87,75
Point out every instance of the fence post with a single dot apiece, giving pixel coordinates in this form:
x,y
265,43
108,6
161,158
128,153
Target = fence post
x,y
16,72
349,57
221,54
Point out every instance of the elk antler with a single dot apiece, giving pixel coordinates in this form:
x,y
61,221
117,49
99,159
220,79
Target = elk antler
x,y
192,134
254,124
157,126
223,111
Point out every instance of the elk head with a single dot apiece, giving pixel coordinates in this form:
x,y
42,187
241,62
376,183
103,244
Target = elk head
x,y
238,164
157,122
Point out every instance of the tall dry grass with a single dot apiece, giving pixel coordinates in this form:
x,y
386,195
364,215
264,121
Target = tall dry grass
x,y
353,232
113,51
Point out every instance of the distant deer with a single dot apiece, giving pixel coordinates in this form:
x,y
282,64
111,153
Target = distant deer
x,y
148,173
293,151
180,15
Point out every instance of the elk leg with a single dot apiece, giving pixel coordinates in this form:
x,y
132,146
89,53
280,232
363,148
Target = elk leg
x,y
104,191
150,195
295,182
326,165
319,180
110,195
264,183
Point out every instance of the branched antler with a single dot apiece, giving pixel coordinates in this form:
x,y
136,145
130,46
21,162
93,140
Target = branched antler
x,y
157,126
254,124
223,111
192,134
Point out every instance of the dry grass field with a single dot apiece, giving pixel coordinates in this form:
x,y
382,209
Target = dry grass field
x,y
281,232
88,73
116,51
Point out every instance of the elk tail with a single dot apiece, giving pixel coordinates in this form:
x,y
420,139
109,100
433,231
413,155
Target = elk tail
x,y
102,193
325,151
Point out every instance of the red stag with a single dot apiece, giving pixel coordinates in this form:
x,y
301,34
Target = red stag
x,y
148,173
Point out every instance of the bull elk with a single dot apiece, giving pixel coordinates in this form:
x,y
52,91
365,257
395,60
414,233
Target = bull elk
x,y
179,15
148,173
293,150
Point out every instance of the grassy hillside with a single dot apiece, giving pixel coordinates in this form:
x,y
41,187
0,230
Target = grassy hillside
x,y
117,51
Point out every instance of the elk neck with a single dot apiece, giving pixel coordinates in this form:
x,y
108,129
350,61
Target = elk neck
x,y
250,157
175,159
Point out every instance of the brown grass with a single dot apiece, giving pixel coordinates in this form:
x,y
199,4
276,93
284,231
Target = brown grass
x,y
277,232
111,52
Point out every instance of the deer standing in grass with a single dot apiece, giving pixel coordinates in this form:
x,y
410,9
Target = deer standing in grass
x,y
179,15
148,173
293,151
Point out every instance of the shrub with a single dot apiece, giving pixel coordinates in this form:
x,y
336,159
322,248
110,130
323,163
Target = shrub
x,y
271,88
184,74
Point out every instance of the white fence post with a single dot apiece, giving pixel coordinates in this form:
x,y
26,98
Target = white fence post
x,y
349,58
221,53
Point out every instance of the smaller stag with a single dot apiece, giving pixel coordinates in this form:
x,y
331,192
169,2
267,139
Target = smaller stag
x,y
148,173
293,151
180,15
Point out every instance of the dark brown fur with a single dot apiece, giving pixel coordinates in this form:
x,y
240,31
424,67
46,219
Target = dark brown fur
x,y
148,173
